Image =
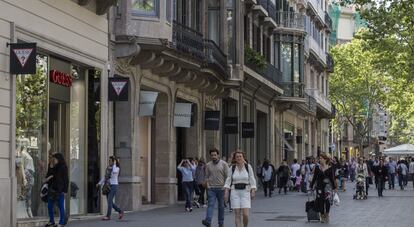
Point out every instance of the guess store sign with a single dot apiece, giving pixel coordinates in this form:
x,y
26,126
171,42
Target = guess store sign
x,y
61,78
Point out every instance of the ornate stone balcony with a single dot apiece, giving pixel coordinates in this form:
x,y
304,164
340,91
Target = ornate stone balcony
x,y
291,21
215,58
188,41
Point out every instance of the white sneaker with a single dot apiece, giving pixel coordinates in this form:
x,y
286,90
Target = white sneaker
x,y
204,206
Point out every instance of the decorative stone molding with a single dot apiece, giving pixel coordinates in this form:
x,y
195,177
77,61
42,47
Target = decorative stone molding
x,y
123,66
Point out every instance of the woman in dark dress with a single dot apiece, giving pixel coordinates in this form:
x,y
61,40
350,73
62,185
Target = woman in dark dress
x,y
381,174
324,182
283,173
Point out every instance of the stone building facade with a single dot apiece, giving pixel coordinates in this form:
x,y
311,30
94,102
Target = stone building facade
x,y
254,61
40,116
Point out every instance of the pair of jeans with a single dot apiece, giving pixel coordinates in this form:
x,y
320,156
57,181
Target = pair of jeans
x,y
283,184
380,185
214,194
202,191
391,180
110,200
267,186
401,180
61,204
412,178
188,188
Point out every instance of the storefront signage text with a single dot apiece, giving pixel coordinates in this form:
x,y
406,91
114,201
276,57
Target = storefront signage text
x,y
60,78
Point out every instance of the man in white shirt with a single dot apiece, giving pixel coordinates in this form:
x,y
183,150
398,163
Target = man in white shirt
x,y
294,168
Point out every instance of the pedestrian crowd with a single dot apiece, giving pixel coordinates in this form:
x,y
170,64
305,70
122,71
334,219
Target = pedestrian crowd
x,y
234,184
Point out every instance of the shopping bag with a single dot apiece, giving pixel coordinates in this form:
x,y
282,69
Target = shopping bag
x,y
336,199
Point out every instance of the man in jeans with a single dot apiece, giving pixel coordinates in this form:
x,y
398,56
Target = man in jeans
x,y
392,166
216,174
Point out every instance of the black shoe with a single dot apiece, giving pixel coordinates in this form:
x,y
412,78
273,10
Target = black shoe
x,y
205,223
50,225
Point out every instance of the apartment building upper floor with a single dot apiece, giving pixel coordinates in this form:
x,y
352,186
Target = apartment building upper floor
x,y
271,37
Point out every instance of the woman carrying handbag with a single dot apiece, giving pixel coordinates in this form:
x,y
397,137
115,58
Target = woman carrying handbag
x,y
110,187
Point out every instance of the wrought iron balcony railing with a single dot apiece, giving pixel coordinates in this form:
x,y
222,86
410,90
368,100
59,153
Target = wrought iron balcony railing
x,y
215,58
328,20
293,89
188,41
330,63
312,104
291,20
269,72
269,7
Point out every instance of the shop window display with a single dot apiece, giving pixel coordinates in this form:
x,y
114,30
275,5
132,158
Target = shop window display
x,y
31,152
77,141
52,117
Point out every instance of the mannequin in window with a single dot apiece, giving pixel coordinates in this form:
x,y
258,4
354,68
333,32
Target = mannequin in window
x,y
26,166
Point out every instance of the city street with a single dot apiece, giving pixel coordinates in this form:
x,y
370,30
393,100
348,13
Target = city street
x,y
394,209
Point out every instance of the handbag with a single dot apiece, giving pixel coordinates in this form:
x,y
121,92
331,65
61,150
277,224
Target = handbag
x,y
106,188
240,186
53,194
44,191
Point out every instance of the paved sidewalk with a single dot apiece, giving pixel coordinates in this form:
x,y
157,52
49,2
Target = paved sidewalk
x,y
394,209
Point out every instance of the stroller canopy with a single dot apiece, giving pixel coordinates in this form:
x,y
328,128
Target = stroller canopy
x,y
405,149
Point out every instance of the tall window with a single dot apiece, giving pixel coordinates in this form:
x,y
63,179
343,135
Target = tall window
x,y
266,47
145,7
256,38
286,61
276,55
168,10
214,21
231,30
31,143
296,63
246,30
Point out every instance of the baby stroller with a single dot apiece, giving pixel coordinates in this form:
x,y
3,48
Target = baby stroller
x,y
360,187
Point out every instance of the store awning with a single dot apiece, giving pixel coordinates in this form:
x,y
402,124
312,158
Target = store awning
x,y
405,149
147,101
182,115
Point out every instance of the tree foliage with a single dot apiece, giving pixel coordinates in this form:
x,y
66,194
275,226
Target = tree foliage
x,y
31,94
390,36
356,87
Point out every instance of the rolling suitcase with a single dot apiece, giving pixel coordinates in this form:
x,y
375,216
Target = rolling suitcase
x,y
311,211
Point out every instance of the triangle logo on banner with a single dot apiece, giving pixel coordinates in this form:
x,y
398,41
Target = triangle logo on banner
x,y
118,86
22,55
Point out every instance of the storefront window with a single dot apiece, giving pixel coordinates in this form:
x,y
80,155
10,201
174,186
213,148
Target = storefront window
x,y
77,141
51,117
145,7
31,145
